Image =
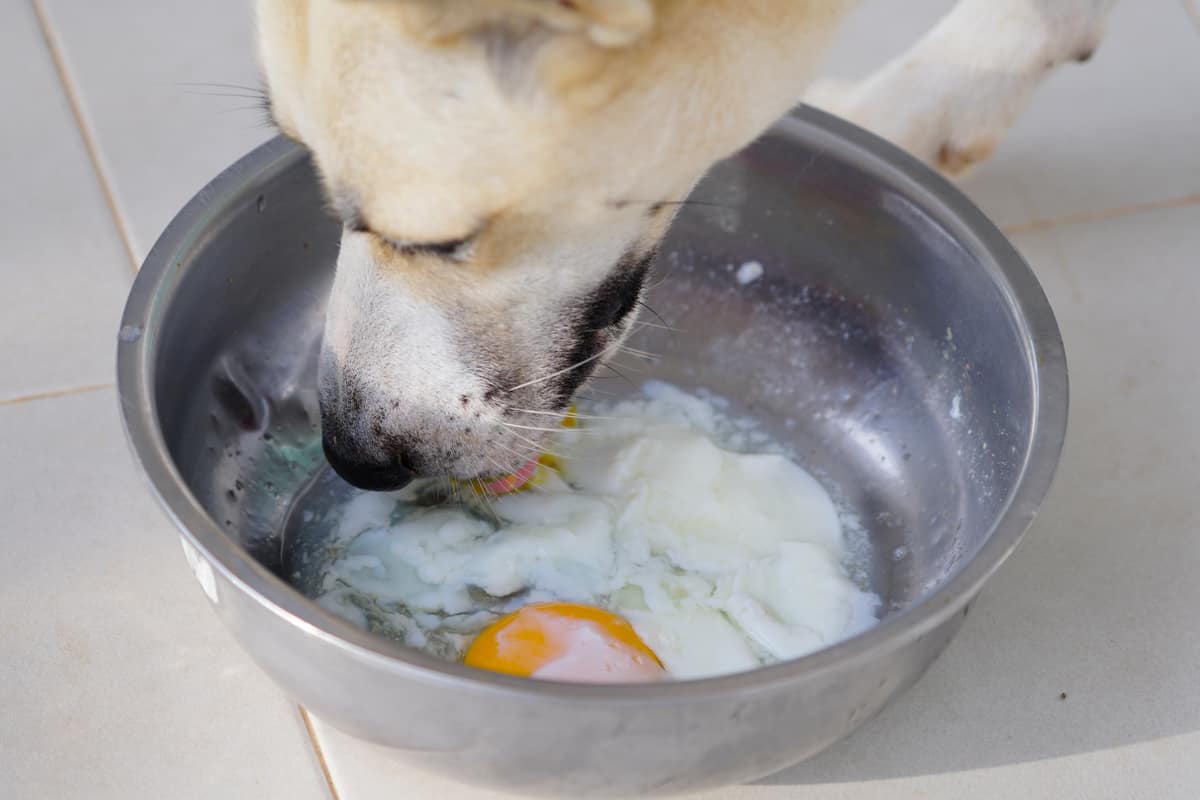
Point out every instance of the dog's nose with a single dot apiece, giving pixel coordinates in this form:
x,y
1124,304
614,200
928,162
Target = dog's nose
x,y
373,477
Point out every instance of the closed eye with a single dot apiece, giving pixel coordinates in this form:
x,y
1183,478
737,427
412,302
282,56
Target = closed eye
x,y
450,249
352,216
453,249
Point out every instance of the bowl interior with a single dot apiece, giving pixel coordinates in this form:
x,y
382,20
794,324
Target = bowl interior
x,y
881,342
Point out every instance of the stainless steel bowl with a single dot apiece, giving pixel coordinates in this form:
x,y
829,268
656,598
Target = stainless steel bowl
x,y
895,339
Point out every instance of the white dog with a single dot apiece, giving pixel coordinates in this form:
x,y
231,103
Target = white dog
x,y
505,168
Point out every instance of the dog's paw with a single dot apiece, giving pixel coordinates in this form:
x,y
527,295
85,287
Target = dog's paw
x,y
950,118
957,158
950,99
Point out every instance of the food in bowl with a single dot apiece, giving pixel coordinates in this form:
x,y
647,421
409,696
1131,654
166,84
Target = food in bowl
x,y
665,537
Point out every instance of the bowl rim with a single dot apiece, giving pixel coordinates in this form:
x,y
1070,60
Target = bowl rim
x,y
156,285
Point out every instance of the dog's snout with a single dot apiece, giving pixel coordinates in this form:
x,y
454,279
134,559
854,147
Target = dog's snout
x,y
366,474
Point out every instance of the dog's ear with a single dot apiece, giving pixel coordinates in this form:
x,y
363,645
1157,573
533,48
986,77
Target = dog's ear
x,y
609,23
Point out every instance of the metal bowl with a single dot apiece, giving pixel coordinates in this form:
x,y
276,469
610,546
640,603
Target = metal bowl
x,y
895,340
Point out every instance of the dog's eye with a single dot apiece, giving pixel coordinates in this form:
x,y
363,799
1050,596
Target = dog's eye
x,y
453,249
449,249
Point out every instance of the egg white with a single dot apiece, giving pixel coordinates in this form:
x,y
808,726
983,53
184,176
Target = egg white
x,y
722,560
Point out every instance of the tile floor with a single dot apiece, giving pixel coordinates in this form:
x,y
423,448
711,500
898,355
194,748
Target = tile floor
x,y
1099,184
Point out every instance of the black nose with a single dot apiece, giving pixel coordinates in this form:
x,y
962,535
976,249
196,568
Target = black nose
x,y
367,475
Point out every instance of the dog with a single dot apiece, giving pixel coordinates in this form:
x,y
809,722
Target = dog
x,y
504,170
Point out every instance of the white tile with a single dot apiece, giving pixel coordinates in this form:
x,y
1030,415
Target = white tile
x,y
116,679
877,31
1118,131
63,272
364,771
1099,601
161,138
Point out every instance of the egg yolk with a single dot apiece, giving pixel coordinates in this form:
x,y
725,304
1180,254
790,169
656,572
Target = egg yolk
x,y
567,642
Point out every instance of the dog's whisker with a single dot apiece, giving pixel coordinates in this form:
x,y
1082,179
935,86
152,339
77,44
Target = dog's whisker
x,y
686,202
225,94
635,324
660,281
693,201
255,89
663,279
538,447
633,351
622,375
237,110
523,457
591,390
602,354
647,324
658,316
456,494
638,368
558,414
536,450
530,427
486,497
501,470
573,457
258,94
486,494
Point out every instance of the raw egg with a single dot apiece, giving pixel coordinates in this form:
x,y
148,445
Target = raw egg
x,y
565,642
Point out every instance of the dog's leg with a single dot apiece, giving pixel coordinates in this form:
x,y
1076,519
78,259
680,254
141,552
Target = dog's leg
x,y
951,97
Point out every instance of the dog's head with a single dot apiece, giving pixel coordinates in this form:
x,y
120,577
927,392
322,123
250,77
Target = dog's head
x,y
504,170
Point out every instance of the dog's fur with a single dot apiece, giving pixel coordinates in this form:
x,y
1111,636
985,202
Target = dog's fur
x,y
505,168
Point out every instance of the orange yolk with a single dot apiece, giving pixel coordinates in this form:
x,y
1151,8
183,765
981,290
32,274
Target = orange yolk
x,y
567,642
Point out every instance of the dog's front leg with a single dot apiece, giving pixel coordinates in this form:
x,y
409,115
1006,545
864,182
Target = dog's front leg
x,y
951,97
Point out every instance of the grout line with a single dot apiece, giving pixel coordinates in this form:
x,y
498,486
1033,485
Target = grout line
x,y
1094,216
316,745
1193,11
28,398
85,130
